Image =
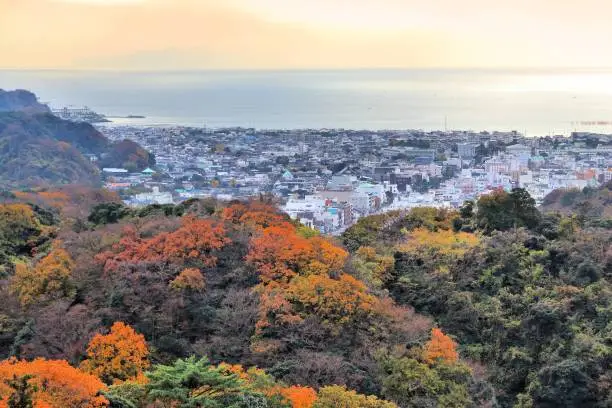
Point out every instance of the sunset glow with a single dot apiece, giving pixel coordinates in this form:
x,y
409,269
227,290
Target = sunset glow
x,y
280,34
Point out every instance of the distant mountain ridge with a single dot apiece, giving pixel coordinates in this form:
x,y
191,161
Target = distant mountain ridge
x,y
39,149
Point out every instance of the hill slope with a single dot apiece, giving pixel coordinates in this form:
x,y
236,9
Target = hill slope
x,y
588,203
238,283
20,100
37,148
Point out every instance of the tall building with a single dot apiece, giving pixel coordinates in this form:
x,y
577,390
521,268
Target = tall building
x,y
466,150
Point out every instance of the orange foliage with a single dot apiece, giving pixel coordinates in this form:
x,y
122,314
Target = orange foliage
x,y
189,279
300,397
58,385
195,240
440,348
254,214
256,378
296,271
274,307
279,254
121,355
328,254
50,277
367,253
56,199
335,301
236,369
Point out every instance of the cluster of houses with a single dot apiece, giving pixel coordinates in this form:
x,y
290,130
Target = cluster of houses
x,y
330,178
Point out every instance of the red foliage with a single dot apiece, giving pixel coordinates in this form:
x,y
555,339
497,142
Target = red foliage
x,y
253,214
195,240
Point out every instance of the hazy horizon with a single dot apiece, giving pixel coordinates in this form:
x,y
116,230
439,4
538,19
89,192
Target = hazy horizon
x,y
536,101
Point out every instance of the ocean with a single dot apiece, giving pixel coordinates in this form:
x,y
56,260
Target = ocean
x,y
535,102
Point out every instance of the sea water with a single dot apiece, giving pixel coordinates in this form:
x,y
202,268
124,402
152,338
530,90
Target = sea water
x,y
536,102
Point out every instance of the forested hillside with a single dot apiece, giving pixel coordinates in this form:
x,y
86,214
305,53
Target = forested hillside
x,y
527,295
591,205
210,304
39,149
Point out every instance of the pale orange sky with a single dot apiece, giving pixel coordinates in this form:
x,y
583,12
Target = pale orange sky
x,y
294,34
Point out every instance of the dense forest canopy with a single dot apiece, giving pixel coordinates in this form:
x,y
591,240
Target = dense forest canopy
x,y
211,304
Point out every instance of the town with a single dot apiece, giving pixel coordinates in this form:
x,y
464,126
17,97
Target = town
x,y
329,178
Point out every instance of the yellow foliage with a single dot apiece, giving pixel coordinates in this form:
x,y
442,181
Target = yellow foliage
x,y
51,276
445,242
335,301
336,396
372,267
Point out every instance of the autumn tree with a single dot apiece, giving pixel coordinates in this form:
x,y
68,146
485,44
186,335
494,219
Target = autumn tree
x,y
189,279
372,267
280,253
121,355
443,242
50,278
253,214
335,301
336,396
51,383
329,258
193,243
18,225
300,397
440,348
21,231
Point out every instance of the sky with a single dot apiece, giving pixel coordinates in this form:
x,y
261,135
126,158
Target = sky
x,y
303,34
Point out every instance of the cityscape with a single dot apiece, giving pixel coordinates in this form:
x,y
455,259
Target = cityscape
x,y
329,178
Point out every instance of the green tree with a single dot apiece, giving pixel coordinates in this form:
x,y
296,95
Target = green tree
x,y
196,383
503,211
411,383
108,213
